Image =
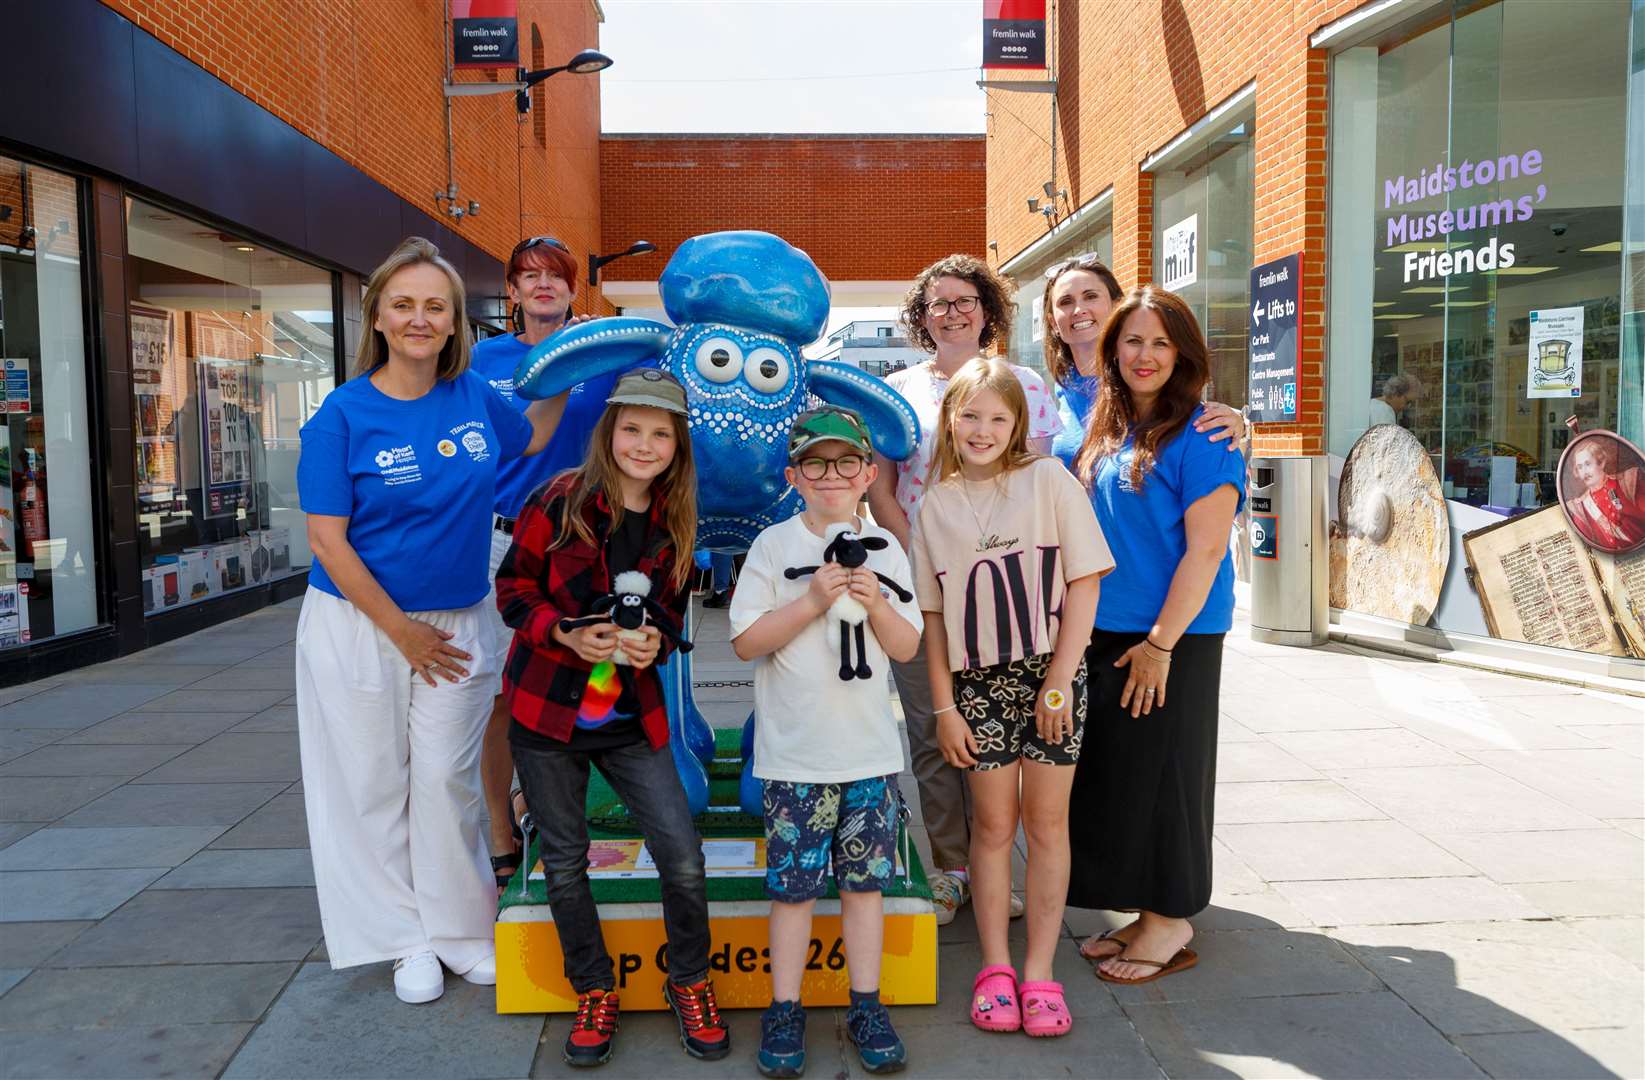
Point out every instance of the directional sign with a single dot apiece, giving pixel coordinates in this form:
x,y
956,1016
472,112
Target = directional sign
x,y
1275,312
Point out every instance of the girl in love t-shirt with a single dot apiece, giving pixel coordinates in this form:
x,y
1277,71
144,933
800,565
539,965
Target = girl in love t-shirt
x,y
994,557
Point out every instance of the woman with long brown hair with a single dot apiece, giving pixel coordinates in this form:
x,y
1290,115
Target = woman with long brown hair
x,y
396,664
1165,495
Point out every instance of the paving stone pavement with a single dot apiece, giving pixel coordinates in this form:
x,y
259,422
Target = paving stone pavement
x,y
1421,870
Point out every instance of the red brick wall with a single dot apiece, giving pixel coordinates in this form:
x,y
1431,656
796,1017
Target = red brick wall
x,y
866,208
1134,75
363,78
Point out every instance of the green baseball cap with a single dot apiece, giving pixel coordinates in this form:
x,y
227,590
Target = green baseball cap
x,y
652,388
824,423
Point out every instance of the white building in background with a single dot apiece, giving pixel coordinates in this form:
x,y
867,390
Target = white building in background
x,y
872,345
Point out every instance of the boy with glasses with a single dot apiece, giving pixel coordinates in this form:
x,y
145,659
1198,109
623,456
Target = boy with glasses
x,y
826,749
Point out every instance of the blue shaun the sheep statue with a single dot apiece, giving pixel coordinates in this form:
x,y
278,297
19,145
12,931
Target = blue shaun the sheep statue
x,y
743,305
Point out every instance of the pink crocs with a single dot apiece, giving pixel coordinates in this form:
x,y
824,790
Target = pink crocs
x,y
994,999
1044,1012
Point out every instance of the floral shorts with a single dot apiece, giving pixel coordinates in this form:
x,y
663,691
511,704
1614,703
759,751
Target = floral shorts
x,y
806,825
998,704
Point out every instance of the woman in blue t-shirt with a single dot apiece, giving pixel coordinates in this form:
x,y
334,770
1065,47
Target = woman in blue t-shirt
x,y
1165,495
1080,293
396,662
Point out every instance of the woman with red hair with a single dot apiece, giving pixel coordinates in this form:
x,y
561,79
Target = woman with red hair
x,y
542,284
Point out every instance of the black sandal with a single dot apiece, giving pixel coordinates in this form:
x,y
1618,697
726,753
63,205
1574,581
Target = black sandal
x,y
511,861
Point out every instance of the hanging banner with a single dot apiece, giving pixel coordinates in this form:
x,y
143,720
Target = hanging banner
x,y
1013,34
485,34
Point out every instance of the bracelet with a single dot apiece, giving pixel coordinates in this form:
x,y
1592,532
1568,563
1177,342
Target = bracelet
x,y
1150,652
1149,641
945,708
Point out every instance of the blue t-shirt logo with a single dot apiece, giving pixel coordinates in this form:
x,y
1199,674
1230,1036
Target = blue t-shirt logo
x,y
447,448
475,444
399,465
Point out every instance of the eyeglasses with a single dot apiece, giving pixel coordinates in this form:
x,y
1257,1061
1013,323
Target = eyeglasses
x,y
551,241
846,466
965,305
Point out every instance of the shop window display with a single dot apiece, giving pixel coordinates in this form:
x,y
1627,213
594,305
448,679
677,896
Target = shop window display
x,y
48,548
1477,179
1203,210
233,349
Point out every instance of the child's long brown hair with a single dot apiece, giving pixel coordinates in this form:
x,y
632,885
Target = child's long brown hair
x,y
676,487
1115,413
975,376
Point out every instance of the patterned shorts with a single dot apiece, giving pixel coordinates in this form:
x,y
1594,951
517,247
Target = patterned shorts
x,y
806,824
998,704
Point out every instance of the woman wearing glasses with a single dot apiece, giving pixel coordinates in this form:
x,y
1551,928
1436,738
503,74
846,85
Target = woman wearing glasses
x,y
542,283
956,309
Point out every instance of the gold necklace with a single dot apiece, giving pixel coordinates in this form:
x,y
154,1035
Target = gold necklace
x,y
993,506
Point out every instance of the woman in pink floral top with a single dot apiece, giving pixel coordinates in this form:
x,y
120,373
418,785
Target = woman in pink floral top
x,y
957,308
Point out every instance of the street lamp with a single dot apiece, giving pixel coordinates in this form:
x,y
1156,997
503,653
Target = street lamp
x,y
638,247
586,62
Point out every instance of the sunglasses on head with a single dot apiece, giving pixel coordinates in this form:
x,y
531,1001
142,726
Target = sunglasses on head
x,y
551,241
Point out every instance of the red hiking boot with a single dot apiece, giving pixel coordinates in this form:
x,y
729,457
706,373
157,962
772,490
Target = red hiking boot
x,y
594,1031
702,1032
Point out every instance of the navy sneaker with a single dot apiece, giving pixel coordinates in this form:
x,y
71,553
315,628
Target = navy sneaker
x,y
702,1032
782,1039
869,1027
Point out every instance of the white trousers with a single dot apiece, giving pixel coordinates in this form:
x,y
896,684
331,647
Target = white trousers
x,y
501,631
391,783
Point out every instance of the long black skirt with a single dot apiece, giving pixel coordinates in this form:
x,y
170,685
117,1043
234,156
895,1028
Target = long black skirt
x,y
1141,812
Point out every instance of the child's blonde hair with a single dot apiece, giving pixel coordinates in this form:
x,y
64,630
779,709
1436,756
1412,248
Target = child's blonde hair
x,y
979,374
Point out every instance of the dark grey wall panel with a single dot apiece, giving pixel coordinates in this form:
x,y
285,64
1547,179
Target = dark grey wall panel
x,y
66,81
350,219
202,143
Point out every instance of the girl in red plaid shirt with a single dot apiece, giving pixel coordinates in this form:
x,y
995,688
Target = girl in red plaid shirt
x,y
631,508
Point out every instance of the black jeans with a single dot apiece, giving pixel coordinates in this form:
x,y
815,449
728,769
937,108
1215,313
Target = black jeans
x,y
556,788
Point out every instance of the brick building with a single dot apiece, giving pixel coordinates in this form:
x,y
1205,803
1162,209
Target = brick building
x,y
191,195
1450,177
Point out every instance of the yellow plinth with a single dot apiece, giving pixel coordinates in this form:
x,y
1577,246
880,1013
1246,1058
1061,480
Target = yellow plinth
x,y
531,971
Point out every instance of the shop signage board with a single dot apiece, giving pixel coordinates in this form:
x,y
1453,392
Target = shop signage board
x,y
1013,34
1275,307
1179,249
1554,368
485,34
17,386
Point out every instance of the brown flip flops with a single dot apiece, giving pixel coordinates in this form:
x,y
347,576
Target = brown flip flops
x,y
1182,961
1105,936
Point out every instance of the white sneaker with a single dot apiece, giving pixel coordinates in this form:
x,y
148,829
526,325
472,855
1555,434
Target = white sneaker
x,y
418,978
1017,906
484,973
949,893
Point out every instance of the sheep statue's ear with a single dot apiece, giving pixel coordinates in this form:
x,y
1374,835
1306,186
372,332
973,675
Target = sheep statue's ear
x,y
588,350
890,419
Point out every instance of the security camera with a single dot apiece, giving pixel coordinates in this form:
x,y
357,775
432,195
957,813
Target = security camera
x,y
1558,228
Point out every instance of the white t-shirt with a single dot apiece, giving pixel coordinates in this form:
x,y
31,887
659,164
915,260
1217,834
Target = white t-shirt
x,y
923,387
810,725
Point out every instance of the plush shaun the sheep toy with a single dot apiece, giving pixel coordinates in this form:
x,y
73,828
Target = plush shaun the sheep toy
x,y
850,551
630,606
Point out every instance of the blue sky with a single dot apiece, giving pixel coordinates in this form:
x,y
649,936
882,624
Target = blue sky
x,y
847,66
